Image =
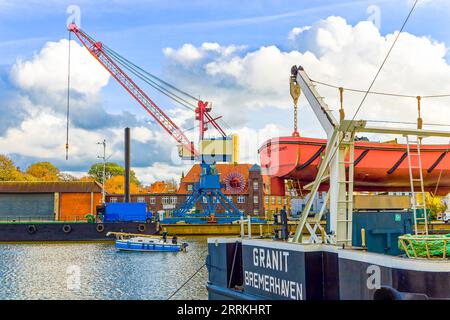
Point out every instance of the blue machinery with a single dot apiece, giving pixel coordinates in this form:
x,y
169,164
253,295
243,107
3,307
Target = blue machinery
x,y
208,191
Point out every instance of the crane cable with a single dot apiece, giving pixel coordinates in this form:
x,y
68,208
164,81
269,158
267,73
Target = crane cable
x,y
380,93
152,83
68,99
145,76
375,78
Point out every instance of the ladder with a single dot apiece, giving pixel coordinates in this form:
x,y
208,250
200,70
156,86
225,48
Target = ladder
x,y
416,182
346,185
294,188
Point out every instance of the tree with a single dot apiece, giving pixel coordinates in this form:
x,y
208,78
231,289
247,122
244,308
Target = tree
x,y
116,185
163,187
112,170
9,172
43,171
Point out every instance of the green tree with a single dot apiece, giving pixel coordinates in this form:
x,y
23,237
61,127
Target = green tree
x,y
112,170
43,171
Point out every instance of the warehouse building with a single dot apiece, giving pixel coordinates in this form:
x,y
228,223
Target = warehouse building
x,y
48,201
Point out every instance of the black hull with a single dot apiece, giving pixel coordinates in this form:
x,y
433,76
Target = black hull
x,y
59,232
272,270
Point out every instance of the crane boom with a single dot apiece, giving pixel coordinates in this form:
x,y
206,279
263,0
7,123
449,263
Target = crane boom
x,y
96,50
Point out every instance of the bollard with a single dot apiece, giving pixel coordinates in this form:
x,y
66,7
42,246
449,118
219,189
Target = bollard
x,y
363,238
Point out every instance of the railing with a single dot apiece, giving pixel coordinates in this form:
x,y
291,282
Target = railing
x,y
247,221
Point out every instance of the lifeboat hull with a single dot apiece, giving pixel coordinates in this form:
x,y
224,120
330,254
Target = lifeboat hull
x,y
379,167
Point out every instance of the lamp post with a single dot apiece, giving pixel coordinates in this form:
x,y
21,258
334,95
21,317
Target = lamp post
x,y
104,169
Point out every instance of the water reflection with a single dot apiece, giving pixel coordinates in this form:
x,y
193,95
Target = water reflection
x,y
50,271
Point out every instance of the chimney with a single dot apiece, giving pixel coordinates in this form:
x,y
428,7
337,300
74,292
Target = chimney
x,y
127,165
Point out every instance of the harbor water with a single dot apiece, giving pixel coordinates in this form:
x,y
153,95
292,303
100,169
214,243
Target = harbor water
x,y
100,272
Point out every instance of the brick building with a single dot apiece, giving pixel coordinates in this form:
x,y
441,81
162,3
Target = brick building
x,y
243,185
38,201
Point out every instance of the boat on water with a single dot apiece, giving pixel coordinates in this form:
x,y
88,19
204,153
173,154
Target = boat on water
x,y
142,243
378,166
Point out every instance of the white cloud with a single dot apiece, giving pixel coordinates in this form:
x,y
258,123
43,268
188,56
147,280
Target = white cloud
x,y
334,51
47,70
249,88
295,32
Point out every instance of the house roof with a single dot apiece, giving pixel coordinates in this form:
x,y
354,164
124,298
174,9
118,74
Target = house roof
x,y
49,187
224,169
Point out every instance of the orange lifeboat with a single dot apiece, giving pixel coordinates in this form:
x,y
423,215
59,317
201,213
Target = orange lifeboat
x,y
379,167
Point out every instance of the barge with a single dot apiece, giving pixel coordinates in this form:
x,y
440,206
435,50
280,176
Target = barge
x,y
36,232
374,255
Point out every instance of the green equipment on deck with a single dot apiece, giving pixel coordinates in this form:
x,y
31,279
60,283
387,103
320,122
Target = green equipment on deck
x,y
425,246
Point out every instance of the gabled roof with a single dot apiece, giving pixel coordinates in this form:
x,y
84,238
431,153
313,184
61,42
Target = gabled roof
x,y
49,187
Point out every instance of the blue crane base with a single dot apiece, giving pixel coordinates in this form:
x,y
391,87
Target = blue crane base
x,y
208,192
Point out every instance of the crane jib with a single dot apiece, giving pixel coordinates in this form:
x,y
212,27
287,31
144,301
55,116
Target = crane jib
x,y
96,50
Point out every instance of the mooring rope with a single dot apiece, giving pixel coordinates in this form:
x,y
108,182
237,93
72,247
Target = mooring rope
x,y
189,279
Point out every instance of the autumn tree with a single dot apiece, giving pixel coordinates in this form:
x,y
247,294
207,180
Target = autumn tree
x,y
116,185
8,171
112,170
44,171
163,187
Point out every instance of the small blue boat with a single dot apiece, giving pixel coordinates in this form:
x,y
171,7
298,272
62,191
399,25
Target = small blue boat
x,y
133,242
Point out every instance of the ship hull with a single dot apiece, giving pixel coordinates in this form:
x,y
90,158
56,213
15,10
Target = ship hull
x,y
378,166
66,232
250,269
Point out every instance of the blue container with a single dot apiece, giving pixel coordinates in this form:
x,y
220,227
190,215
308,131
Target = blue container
x,y
126,212
382,230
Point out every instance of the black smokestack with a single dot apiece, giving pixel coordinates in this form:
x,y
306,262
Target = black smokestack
x,y
127,165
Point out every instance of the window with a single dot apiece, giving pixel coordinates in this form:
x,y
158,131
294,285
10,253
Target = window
x,y
255,199
189,187
241,199
256,212
230,198
285,201
266,199
113,200
273,200
173,200
140,199
152,200
279,200
255,184
205,200
165,200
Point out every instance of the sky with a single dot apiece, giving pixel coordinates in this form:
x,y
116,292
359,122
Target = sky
x,y
236,54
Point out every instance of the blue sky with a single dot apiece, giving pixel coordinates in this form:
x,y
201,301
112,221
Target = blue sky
x,y
141,30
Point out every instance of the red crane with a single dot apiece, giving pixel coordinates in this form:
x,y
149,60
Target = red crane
x,y
209,186
111,60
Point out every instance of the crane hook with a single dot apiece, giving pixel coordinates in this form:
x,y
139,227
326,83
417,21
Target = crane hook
x,y
295,94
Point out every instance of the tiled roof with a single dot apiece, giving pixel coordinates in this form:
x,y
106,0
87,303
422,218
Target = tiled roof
x,y
223,168
48,187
